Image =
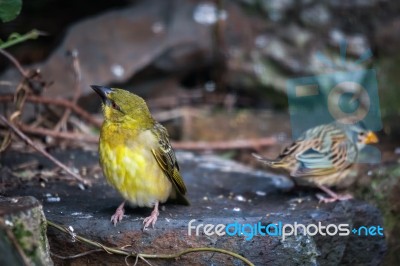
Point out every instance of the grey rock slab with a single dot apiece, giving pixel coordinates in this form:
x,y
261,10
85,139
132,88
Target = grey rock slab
x,y
221,192
115,45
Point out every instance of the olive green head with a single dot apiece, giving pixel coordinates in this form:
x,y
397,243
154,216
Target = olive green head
x,y
123,106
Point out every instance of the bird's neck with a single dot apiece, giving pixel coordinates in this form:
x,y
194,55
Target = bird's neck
x,y
119,132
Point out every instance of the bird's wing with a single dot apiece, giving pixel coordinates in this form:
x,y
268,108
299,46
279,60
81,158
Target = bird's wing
x,y
312,162
165,157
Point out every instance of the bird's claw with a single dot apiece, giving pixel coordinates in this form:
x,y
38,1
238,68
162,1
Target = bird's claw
x,y
324,199
150,220
117,216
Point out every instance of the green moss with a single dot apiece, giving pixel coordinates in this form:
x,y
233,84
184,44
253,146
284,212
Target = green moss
x,y
384,191
388,82
23,236
29,230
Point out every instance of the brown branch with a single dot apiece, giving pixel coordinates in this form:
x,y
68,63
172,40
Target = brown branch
x,y
174,101
14,242
77,255
57,134
77,92
185,145
15,62
25,138
60,102
19,101
119,251
225,145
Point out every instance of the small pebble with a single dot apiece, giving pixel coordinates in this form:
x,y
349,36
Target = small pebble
x,y
240,198
260,193
53,199
9,223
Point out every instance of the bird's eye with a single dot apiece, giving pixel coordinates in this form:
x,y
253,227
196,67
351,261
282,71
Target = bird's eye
x,y
115,106
361,133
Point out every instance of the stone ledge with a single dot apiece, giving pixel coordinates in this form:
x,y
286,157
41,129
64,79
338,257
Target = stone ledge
x,y
220,191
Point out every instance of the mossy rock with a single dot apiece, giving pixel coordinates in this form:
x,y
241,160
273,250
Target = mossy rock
x,y
23,237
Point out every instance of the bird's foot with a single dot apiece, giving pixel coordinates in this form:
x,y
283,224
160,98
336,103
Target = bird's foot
x,y
333,196
337,197
119,214
152,218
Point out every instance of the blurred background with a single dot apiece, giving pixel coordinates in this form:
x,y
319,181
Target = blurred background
x,y
215,73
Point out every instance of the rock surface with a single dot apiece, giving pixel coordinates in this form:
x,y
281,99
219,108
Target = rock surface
x,y
265,43
116,45
23,238
220,191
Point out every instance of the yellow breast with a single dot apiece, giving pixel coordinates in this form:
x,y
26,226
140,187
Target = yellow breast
x,y
129,165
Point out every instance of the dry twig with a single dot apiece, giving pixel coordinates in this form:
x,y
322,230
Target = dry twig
x,y
10,237
16,63
57,134
225,145
119,251
25,138
62,124
76,255
59,102
29,82
184,145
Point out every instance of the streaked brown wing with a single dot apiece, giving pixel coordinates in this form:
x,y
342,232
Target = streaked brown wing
x,y
317,163
165,157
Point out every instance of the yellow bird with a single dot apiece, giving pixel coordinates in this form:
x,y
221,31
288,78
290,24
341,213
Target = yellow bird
x,y
135,154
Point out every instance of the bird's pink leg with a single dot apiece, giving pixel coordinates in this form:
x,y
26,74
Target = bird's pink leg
x,y
333,196
152,218
119,214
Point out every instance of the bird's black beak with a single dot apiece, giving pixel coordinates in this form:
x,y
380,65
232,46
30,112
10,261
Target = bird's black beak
x,y
102,91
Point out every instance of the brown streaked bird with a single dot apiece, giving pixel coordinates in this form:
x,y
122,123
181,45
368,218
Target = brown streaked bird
x,y
135,154
323,156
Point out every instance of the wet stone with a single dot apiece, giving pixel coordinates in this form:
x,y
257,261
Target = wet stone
x,y
221,192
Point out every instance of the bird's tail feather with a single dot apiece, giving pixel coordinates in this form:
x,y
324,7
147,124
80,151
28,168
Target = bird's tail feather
x,y
178,198
182,199
270,163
